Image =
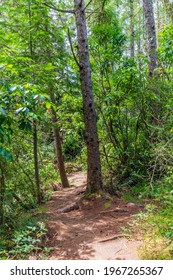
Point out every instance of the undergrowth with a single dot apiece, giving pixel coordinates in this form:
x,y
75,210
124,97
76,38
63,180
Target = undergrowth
x,y
27,239
155,227
154,224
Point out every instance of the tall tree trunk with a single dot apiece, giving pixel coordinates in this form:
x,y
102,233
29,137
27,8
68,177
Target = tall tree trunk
x,y
94,178
132,31
2,192
36,167
158,16
58,148
150,35
35,140
169,8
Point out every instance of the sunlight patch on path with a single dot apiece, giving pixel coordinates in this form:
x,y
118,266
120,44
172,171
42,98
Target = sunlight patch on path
x,y
122,249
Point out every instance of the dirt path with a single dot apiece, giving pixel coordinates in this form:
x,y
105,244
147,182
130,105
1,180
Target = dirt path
x,y
77,234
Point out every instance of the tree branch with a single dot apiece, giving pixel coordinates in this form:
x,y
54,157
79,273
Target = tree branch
x,y
88,4
71,46
103,5
59,10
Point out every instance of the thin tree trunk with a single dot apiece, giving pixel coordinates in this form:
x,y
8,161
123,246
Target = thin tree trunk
x,y
35,140
169,8
58,148
2,192
150,35
94,178
139,40
158,20
132,31
36,167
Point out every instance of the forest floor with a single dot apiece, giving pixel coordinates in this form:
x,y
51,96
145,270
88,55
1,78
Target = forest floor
x,y
93,231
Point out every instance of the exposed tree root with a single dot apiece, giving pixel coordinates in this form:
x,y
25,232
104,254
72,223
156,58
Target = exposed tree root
x,y
81,191
113,237
114,210
69,208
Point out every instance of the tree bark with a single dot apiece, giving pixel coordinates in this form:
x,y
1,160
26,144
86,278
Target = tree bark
x,y
2,192
132,31
94,178
35,140
36,167
169,9
58,148
150,35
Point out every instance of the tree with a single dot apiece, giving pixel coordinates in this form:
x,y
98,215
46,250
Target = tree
x,y
42,27
132,31
150,35
35,137
169,9
94,178
2,192
58,147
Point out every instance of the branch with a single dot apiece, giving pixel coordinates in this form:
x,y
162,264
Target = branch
x,y
114,237
71,46
59,10
103,5
88,4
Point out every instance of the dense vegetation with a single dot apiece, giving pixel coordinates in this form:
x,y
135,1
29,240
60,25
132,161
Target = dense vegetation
x,y
43,115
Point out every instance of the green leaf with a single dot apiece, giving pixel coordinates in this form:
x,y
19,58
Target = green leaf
x,y
48,105
5,154
2,112
19,110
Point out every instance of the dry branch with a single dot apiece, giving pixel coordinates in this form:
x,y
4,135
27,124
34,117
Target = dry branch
x,y
114,237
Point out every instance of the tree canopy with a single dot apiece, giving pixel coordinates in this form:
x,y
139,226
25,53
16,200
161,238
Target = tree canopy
x,y
87,83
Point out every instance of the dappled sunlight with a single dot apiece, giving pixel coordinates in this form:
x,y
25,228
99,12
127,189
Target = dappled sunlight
x,y
81,233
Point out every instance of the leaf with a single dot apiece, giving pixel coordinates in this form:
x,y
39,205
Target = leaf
x,y
36,96
2,112
5,154
12,89
19,110
48,105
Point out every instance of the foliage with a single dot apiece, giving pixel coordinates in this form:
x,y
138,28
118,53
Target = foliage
x,y
166,45
134,111
25,240
155,225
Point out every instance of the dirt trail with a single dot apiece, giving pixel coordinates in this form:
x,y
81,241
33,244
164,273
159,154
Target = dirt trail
x,y
77,234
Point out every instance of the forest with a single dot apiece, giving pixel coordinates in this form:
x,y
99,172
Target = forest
x,y
86,128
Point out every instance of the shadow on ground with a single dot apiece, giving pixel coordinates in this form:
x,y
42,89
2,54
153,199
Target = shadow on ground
x,y
76,235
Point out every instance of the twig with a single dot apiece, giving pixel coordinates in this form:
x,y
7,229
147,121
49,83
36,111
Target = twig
x,y
88,4
71,46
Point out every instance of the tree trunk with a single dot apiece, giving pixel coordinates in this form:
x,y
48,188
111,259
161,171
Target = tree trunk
x,y
35,140
58,148
2,192
36,167
94,178
150,35
132,31
169,9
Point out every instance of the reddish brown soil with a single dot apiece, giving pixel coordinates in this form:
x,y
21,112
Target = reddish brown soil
x,y
76,235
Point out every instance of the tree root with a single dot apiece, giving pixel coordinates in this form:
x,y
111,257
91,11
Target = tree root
x,y
114,210
114,237
69,208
